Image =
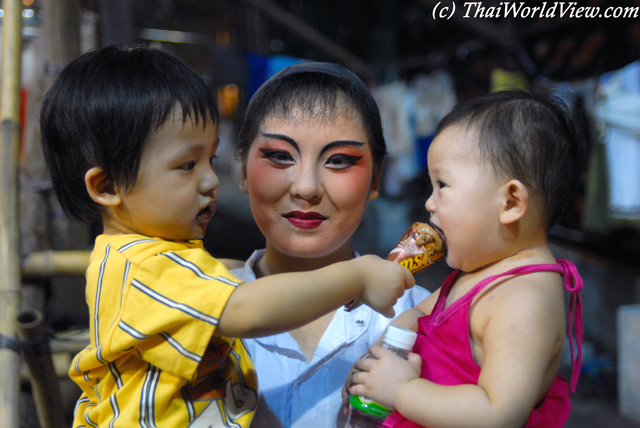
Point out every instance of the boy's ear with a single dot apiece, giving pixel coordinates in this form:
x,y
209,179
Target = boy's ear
x,y
100,188
244,184
515,202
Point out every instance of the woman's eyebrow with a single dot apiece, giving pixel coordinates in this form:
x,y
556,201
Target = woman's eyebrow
x,y
283,138
340,143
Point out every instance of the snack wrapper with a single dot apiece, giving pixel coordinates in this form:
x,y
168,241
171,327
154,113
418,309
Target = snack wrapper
x,y
420,246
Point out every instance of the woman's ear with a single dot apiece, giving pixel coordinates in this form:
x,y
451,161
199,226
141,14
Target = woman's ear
x,y
374,192
100,188
515,202
244,183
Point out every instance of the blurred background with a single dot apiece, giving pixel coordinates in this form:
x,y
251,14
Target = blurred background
x,y
419,58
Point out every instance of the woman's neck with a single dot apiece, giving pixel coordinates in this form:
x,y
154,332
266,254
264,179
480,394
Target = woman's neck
x,y
275,261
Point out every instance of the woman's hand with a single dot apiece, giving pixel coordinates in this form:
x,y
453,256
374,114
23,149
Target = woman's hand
x,y
380,377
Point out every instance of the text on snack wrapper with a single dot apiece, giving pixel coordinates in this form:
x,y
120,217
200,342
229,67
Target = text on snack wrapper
x,y
416,262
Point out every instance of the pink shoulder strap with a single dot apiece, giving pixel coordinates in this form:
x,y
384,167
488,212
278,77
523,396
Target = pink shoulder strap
x,y
572,283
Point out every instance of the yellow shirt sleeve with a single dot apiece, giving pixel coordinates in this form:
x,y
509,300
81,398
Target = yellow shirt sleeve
x,y
171,309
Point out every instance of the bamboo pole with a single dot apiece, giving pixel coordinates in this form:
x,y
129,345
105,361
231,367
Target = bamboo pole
x,y
44,381
9,244
50,263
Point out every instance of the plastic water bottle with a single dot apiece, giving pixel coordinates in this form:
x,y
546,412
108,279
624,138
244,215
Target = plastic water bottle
x,y
364,412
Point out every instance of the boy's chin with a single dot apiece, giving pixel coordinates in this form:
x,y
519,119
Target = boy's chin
x,y
188,236
198,235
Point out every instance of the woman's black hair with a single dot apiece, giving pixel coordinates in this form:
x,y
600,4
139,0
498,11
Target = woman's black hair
x,y
529,137
101,110
316,89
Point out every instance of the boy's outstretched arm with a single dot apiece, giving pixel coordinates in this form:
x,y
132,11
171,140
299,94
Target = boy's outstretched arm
x,y
283,302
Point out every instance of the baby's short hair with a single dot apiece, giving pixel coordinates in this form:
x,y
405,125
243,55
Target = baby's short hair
x,y
101,110
528,137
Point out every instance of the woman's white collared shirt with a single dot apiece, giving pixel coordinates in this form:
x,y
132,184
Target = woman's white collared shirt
x,y
300,394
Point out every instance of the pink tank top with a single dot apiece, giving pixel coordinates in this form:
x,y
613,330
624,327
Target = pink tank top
x,y
444,344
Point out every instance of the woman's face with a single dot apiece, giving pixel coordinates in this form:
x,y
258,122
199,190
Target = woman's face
x,y
309,180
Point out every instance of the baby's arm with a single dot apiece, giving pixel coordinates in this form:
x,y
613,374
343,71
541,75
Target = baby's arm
x,y
520,334
409,320
283,302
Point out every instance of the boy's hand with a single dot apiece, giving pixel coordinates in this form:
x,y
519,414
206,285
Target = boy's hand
x,y
384,283
380,378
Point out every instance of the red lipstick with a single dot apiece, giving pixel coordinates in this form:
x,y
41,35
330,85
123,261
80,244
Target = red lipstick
x,y
308,220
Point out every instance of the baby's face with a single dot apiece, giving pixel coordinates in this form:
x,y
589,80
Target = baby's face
x,y
177,188
465,202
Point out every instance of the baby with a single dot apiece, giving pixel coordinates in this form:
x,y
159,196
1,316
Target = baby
x,y
490,340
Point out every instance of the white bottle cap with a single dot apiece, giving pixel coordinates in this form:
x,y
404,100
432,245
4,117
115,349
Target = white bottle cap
x,y
400,337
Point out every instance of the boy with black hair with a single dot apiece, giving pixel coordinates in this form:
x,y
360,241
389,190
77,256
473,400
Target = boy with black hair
x,y
129,136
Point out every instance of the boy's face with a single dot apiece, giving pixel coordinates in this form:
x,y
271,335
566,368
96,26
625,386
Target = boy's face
x,y
176,191
465,201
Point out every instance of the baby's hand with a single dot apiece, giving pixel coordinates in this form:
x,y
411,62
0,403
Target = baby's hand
x,y
380,378
345,390
384,283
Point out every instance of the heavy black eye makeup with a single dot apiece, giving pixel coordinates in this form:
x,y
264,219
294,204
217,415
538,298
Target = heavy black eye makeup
x,y
342,161
336,161
280,157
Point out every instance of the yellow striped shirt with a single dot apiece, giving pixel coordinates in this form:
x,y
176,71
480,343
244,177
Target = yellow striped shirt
x,y
153,360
